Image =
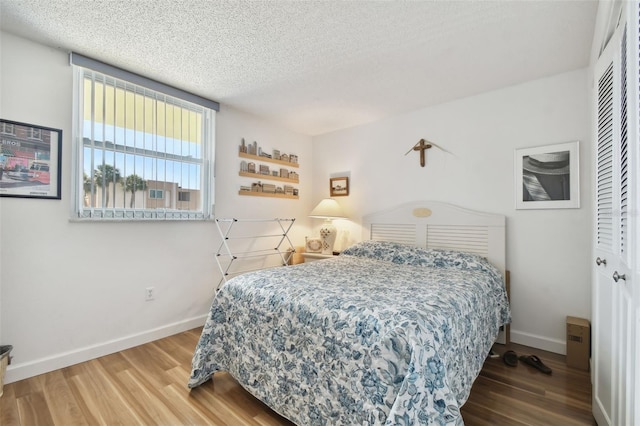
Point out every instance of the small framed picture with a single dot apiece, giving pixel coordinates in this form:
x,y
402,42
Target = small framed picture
x,y
339,186
548,177
313,244
30,158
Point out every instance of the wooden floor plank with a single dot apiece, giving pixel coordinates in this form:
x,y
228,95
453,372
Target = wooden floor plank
x,y
199,412
147,385
34,410
104,402
151,406
9,414
60,400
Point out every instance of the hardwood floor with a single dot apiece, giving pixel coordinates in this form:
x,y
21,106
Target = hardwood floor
x,y
147,385
522,395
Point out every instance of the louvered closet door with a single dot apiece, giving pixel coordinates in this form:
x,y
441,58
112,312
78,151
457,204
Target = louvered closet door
x,y
613,349
603,297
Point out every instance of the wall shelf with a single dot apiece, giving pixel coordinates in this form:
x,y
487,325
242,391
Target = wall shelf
x,y
268,194
268,177
267,160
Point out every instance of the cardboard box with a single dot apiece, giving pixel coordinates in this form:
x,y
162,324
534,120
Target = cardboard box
x,y
578,343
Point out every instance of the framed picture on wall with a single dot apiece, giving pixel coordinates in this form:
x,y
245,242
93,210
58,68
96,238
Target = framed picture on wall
x,y
30,158
548,177
339,186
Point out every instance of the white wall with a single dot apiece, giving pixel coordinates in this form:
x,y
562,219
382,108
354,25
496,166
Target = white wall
x,y
547,250
72,291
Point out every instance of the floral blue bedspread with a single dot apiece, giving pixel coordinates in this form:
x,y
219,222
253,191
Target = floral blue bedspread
x,y
382,334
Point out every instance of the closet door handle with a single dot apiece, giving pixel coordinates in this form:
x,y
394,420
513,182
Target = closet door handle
x,y
617,276
601,261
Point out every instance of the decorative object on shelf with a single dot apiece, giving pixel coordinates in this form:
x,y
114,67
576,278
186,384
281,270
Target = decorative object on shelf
x,y
255,150
282,175
339,186
327,209
269,188
30,161
422,145
547,177
313,244
290,190
251,149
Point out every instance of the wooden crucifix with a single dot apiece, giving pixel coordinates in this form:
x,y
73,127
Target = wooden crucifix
x,y
421,146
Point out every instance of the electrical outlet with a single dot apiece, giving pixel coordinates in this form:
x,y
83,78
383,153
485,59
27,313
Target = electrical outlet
x,y
151,293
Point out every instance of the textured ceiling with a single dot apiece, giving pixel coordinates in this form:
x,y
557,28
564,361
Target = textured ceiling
x,y
319,66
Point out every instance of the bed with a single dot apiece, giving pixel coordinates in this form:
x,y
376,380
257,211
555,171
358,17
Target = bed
x,y
393,331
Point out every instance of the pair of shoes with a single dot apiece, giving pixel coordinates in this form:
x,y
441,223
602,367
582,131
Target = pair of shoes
x,y
510,358
535,362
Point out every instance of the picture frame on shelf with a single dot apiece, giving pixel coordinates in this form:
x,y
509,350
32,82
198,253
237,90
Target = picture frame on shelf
x,y
313,244
30,159
339,186
548,177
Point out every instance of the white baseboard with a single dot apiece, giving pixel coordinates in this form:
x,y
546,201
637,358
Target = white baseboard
x,y
20,371
539,342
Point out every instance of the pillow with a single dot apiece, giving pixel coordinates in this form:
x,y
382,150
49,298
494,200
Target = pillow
x,y
380,250
403,254
460,260
406,254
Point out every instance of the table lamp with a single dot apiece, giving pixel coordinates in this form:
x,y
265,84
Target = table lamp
x,y
327,209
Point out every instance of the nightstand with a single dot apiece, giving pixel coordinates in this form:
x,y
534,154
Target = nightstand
x,y
312,257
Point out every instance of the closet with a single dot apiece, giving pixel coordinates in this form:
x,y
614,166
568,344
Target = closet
x,y
616,290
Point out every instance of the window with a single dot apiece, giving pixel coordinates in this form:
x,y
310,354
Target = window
x,y
7,128
34,133
133,140
184,196
156,194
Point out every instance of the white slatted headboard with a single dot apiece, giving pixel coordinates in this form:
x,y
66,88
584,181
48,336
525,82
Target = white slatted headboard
x,y
437,225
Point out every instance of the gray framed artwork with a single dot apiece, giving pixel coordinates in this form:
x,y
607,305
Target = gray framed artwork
x,y
548,177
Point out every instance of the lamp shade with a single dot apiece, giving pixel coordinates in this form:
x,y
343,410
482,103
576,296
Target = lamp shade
x,y
327,208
